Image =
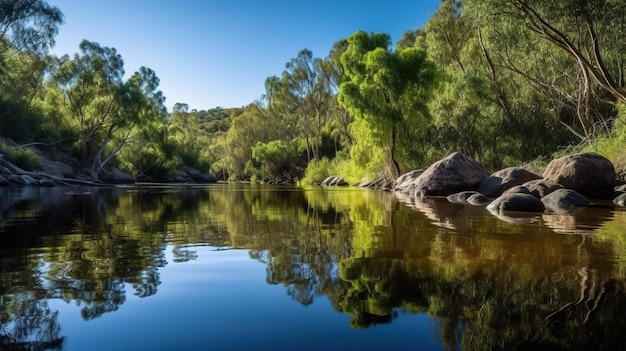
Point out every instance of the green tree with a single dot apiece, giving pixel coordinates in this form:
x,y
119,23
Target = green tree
x,y
28,25
389,90
588,32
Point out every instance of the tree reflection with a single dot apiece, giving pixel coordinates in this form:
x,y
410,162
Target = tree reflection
x,y
34,328
487,283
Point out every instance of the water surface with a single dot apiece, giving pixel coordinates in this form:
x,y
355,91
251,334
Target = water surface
x,y
240,267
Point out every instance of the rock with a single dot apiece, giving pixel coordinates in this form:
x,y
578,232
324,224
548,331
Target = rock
x,y
461,197
405,183
516,202
452,174
58,169
195,175
4,181
478,199
621,188
563,200
589,174
47,182
620,200
116,176
537,188
518,189
502,180
23,180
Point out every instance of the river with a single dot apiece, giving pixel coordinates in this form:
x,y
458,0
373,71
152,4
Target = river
x,y
242,267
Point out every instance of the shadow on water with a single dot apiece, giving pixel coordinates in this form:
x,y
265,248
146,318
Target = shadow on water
x,y
488,283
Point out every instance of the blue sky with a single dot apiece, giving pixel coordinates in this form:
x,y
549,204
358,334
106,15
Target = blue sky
x,y
210,53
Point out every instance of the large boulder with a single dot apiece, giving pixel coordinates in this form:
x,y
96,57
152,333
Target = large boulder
x,y
516,202
590,174
564,200
406,182
455,173
502,180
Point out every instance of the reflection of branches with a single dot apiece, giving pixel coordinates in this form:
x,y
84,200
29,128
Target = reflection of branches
x,y
590,297
35,328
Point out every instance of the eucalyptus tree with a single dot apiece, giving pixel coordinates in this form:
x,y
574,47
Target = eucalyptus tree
x,y
309,89
588,32
103,110
28,25
387,90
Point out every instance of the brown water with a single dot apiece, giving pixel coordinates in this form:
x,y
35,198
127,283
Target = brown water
x,y
371,269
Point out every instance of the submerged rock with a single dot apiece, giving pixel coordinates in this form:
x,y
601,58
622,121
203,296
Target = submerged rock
x,y
516,202
461,197
563,200
478,200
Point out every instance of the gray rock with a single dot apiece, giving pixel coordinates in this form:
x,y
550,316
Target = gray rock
x,y
455,173
590,174
564,200
516,202
478,200
502,180
406,182
461,197
541,187
620,200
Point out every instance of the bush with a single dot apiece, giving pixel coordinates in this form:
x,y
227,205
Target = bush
x,y
24,158
317,171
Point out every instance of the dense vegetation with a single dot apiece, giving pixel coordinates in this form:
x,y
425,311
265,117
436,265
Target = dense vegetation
x,y
506,82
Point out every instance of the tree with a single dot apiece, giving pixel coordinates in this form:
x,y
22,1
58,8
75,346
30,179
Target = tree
x,y
103,109
589,32
28,25
308,85
389,90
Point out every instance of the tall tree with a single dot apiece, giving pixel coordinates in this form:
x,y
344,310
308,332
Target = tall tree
x,y
28,25
309,86
589,32
389,90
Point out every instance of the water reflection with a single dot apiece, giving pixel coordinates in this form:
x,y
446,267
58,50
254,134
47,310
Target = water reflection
x,y
487,282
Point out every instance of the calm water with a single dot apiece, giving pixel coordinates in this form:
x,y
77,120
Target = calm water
x,y
240,267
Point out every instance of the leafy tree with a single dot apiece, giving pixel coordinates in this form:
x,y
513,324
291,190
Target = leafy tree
x,y
90,93
307,86
388,90
28,25
586,31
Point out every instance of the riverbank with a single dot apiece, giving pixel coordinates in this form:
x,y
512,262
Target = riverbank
x,y
47,166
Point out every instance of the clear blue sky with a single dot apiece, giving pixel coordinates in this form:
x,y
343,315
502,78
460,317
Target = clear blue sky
x,y
210,53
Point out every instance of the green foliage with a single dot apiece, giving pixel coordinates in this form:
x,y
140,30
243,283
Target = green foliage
x,y
24,158
317,171
390,92
611,145
275,160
